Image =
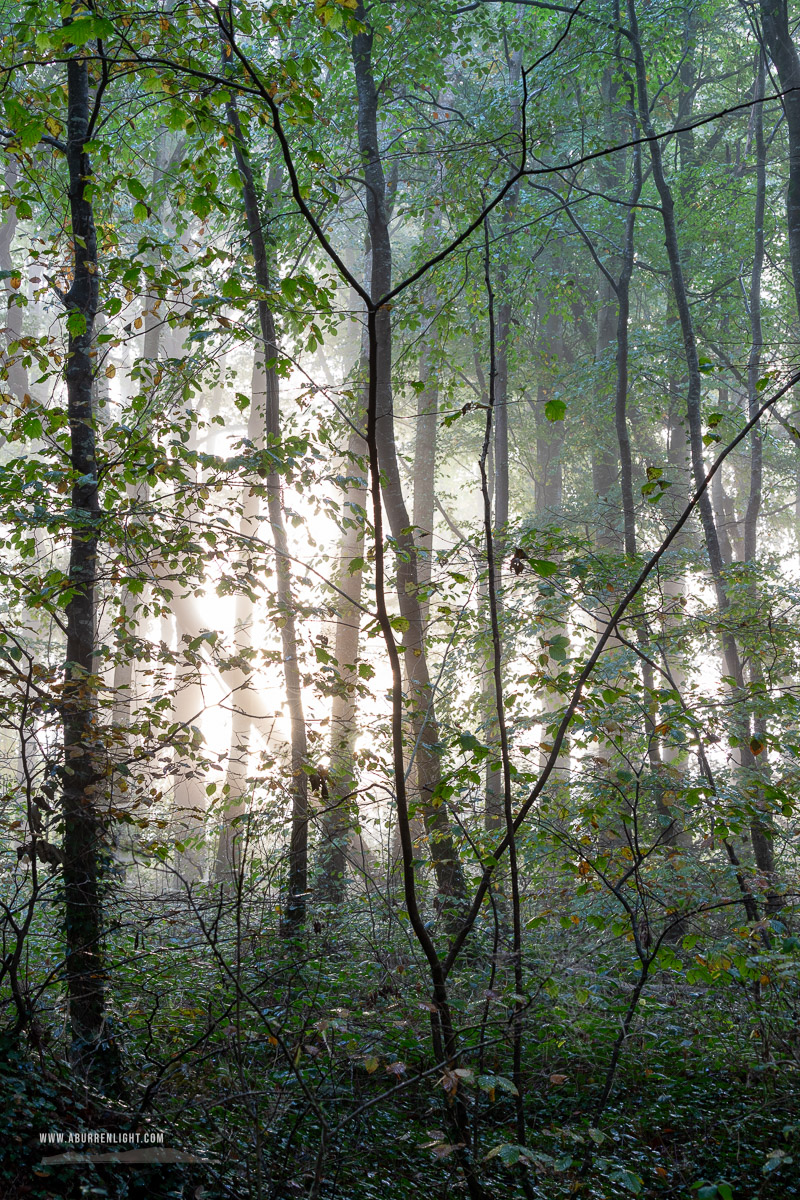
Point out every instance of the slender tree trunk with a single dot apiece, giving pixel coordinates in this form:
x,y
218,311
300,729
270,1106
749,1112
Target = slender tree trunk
x,y
762,847
760,830
756,334
604,465
501,492
449,874
783,52
295,908
721,502
93,1051
425,463
621,390
340,807
14,380
229,847
124,682
190,702
497,461
338,821
552,356
16,377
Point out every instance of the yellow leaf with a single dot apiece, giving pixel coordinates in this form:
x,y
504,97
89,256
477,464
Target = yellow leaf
x,y
111,371
370,1064
137,324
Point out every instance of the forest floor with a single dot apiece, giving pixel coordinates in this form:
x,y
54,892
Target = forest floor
x,y
705,1101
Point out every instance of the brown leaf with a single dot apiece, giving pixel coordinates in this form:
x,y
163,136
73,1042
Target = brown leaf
x,y
446,1148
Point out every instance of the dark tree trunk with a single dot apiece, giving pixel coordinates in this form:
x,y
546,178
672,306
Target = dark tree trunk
x,y
783,52
93,1049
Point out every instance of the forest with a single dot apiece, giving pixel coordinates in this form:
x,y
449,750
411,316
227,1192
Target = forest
x,y
399,599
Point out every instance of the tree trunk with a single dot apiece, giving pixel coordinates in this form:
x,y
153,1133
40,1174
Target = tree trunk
x,y
425,462
721,502
783,52
229,847
16,377
93,1051
552,356
762,846
297,885
449,874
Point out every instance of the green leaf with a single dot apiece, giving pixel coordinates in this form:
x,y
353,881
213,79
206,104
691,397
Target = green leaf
x,y
542,567
80,31
136,189
505,1085
628,1180
76,322
535,922
555,410
508,1154
557,647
